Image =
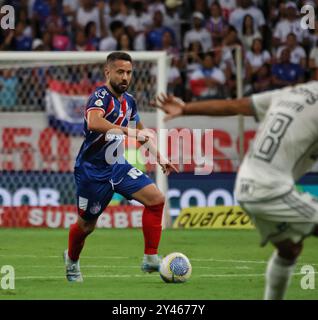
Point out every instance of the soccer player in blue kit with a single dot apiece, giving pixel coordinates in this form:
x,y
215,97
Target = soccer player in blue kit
x,y
101,169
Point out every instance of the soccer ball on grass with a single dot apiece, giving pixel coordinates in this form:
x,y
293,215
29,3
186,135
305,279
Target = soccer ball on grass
x,y
175,268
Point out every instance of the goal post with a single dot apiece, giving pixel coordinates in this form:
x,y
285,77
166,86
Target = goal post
x,y
150,75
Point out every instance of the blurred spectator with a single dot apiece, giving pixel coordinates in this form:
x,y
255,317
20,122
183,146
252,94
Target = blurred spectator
x,y
263,79
82,43
216,24
40,12
125,43
91,34
314,33
21,41
191,61
55,24
137,24
256,59
313,62
206,82
24,18
156,5
87,12
224,60
175,83
37,45
198,33
168,45
227,58
8,88
246,7
69,9
275,11
172,19
47,41
227,7
154,37
110,42
249,33
200,6
118,11
55,19
231,38
138,18
297,52
286,73
193,57
289,23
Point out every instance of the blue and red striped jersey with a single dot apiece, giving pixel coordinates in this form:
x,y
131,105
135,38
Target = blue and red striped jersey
x,y
120,112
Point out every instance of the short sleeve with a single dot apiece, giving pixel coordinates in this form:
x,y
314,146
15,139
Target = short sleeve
x,y
99,100
261,103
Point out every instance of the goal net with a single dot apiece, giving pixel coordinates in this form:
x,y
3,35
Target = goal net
x,y
42,102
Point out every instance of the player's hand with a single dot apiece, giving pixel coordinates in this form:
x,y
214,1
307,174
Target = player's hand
x,y
141,135
171,105
167,168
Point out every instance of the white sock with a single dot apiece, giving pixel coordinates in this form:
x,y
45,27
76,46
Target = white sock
x,y
151,258
278,274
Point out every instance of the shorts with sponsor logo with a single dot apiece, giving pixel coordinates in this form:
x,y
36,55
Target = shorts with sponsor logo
x,y
95,186
292,216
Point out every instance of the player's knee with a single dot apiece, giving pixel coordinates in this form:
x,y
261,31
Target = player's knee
x,y
87,226
157,199
290,251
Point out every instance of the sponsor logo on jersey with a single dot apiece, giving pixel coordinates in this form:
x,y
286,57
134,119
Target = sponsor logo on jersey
x,y
99,103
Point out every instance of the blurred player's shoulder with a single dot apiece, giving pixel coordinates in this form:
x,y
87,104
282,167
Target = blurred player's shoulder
x,y
311,85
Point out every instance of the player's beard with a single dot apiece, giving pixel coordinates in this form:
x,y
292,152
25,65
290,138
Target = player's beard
x,y
120,87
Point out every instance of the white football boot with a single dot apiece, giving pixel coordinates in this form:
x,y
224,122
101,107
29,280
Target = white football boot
x,y
73,272
150,263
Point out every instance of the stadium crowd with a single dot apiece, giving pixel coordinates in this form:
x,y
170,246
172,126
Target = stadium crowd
x,y
199,36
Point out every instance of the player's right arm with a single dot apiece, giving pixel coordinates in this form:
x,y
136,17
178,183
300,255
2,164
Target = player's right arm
x,y
96,122
175,107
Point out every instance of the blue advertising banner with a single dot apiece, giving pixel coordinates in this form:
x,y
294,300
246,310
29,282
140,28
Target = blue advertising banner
x,y
185,189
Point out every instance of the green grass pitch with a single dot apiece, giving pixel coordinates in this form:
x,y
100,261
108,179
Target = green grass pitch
x,y
227,264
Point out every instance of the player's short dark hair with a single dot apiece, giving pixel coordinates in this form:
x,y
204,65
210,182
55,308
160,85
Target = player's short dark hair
x,y
118,55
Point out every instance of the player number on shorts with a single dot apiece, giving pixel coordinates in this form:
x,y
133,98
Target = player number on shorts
x,y
268,145
134,173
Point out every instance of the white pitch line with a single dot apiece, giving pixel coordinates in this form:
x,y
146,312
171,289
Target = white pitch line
x,y
87,276
124,258
119,267
228,260
54,257
142,276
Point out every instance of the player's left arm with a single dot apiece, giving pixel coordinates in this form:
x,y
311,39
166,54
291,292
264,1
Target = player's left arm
x,y
166,165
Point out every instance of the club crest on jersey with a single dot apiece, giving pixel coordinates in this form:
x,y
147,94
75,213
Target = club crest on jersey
x,y
95,208
99,103
101,93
